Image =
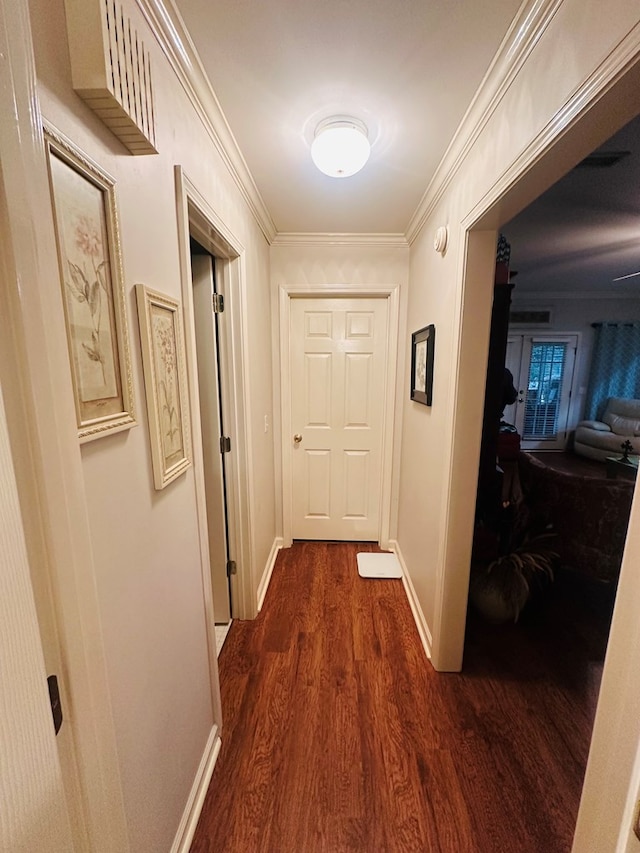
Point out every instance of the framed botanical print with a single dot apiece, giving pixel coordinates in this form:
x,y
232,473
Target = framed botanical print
x,y
422,353
165,380
89,259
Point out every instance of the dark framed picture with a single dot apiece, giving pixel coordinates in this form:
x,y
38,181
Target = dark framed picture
x,y
422,350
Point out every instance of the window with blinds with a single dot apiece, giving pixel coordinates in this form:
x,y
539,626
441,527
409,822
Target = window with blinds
x,y
546,371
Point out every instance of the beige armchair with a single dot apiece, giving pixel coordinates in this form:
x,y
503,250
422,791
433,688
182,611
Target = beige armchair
x,y
620,422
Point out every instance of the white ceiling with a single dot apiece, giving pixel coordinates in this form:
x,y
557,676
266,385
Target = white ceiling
x,y
407,68
585,230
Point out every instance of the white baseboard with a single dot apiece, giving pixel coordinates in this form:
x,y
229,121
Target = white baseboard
x,y
187,828
418,616
263,586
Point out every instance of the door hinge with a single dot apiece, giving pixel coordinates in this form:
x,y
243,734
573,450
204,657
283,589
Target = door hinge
x,y
218,303
54,699
231,568
225,444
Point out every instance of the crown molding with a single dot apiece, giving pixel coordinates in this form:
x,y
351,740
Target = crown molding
x,y
613,68
168,28
388,241
522,36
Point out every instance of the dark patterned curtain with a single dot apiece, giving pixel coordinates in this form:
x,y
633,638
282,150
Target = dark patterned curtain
x,y
615,366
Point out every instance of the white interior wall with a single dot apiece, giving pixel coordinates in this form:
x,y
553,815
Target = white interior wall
x,y
145,543
423,472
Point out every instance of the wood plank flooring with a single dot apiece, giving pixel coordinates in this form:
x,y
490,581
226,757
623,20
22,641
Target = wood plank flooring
x,y
339,735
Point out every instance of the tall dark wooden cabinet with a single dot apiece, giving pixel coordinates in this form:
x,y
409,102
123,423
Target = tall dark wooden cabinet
x,y
489,476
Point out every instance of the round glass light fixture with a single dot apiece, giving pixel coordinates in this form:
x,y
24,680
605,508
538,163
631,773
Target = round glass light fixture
x,y
341,147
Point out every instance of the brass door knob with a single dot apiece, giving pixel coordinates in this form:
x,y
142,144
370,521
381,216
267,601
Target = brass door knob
x,y
297,438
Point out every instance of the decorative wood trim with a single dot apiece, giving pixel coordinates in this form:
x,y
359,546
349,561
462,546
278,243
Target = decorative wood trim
x,y
309,240
612,69
167,26
196,437
235,357
522,36
191,814
284,309
418,615
263,586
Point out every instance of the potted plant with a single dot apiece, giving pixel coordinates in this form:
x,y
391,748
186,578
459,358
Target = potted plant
x,y
502,583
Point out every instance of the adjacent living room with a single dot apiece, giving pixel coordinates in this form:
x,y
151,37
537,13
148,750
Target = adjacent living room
x,y
551,526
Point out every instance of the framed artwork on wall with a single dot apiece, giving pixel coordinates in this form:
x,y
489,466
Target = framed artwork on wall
x,y
89,258
422,353
165,380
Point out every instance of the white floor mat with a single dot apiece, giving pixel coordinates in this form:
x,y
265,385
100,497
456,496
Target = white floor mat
x,y
378,565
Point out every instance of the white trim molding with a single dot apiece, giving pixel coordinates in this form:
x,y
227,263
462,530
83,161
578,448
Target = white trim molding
x,y
522,36
309,240
418,614
265,580
169,30
195,801
577,108
193,210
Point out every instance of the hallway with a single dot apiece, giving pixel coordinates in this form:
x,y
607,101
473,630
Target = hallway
x,y
339,736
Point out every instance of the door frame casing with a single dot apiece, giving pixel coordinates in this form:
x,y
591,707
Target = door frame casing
x,y
48,467
206,336
604,103
601,105
197,217
392,294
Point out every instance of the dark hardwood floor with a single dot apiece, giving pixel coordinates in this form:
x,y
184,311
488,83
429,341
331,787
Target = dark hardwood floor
x,y
339,735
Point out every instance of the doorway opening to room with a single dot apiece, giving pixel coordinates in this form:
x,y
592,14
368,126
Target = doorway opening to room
x,y
603,119
550,365
208,308
213,288
550,369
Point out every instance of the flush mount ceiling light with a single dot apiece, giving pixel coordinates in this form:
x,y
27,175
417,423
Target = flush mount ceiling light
x,y
341,147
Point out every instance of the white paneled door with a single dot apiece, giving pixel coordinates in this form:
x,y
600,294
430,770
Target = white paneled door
x,y
338,367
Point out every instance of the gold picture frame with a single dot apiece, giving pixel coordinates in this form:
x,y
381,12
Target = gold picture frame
x,y
165,380
89,259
